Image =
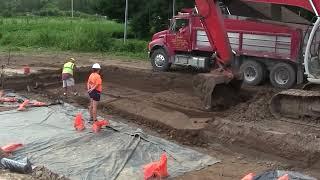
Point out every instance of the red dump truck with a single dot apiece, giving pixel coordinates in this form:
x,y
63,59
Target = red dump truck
x,y
262,49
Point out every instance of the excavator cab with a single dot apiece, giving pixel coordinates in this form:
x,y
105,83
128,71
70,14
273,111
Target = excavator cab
x,y
312,54
305,103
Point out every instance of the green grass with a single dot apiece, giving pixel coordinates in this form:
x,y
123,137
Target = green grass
x,y
80,35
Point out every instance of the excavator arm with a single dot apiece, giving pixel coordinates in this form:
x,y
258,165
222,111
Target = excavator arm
x,y
222,84
212,20
311,5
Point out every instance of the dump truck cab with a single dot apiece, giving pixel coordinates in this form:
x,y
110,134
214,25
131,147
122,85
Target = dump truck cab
x,y
167,46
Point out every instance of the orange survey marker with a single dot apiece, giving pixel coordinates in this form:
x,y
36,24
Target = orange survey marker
x,y
96,127
8,99
156,169
249,177
78,122
103,123
285,177
11,147
39,104
23,105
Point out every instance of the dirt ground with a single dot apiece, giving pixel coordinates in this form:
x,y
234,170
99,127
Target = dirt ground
x,y
39,173
246,137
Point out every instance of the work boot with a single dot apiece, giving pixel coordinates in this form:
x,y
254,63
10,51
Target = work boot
x,y
91,120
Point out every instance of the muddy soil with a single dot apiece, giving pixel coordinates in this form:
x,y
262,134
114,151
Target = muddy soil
x,y
2,154
253,110
244,135
43,173
39,173
246,127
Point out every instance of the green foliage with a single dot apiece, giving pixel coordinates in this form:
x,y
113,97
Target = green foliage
x,y
83,35
7,13
146,17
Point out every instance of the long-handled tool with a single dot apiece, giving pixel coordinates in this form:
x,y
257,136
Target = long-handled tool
x,y
2,76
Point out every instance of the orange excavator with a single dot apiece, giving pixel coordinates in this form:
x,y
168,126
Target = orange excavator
x,y
215,87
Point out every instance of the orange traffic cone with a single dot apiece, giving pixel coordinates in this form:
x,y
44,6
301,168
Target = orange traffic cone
x,y
249,177
285,177
163,170
23,105
96,127
78,122
156,169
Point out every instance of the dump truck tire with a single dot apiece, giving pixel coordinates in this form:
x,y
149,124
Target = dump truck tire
x,y
253,72
283,76
160,60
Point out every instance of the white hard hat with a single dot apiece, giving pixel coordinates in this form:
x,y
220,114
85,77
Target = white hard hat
x,y
72,59
96,66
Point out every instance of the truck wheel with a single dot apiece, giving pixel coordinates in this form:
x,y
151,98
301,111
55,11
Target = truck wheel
x,y
283,75
160,60
253,72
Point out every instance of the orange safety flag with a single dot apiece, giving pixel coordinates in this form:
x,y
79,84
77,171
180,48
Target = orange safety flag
x,y
285,177
163,166
156,169
78,122
8,99
103,123
96,127
249,177
39,104
23,105
11,147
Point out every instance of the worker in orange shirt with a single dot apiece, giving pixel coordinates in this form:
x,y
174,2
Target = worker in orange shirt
x,y
94,87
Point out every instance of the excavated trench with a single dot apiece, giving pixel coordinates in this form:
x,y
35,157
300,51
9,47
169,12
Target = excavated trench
x,y
166,103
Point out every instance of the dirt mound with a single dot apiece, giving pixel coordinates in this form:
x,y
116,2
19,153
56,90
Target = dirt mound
x,y
2,154
302,148
42,173
256,109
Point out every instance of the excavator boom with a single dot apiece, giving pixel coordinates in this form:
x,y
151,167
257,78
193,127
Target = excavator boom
x,y
213,23
311,5
222,83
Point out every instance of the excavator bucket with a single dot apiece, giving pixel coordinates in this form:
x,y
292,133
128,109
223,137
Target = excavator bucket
x,y
217,90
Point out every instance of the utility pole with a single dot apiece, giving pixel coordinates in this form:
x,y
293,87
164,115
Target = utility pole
x,y
125,23
173,8
72,8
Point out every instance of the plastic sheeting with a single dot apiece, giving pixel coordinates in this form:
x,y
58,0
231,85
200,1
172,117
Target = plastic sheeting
x,y
115,153
274,175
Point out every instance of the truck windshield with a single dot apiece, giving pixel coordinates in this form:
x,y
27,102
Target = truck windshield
x,y
178,24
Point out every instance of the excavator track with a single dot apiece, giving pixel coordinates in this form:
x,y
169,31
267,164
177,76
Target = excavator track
x,y
295,103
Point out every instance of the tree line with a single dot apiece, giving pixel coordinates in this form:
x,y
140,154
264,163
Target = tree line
x,y
145,16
